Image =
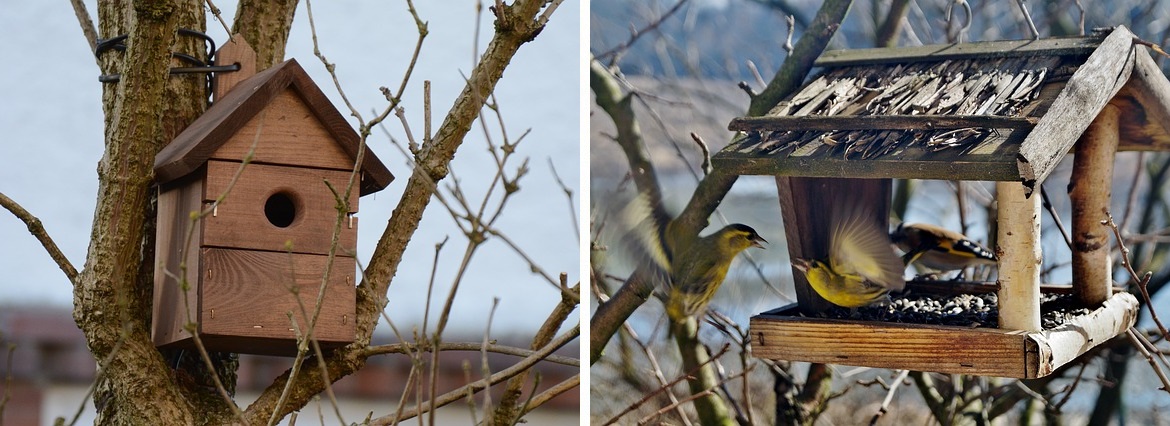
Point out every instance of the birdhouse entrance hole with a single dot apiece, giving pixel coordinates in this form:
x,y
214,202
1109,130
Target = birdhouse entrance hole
x,y
280,209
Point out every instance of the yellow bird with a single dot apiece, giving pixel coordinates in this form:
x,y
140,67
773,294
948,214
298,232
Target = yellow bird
x,y
939,248
862,267
698,270
692,269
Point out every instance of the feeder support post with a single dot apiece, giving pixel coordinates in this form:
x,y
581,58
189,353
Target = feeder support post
x,y
1089,192
1018,250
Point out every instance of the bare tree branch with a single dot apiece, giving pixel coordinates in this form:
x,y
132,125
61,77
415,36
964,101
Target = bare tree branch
x,y
38,230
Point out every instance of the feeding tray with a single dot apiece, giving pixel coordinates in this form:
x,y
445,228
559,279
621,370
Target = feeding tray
x,y
784,333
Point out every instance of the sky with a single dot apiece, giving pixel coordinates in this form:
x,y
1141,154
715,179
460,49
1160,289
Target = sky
x,y
51,123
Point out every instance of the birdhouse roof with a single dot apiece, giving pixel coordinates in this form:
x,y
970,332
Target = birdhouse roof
x,y
199,141
1001,111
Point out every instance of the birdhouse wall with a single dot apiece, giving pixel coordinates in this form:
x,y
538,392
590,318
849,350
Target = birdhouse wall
x,y
176,201
248,294
243,218
287,132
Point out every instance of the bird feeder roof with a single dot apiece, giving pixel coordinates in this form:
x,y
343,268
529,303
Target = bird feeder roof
x,y
1000,111
199,141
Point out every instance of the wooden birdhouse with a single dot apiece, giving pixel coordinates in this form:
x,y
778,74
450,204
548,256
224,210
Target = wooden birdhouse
x,y
269,239
996,111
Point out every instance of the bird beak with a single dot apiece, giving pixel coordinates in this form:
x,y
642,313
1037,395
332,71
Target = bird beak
x,y
756,242
801,263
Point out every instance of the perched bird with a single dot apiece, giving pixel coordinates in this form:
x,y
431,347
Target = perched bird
x,y
862,267
939,248
691,269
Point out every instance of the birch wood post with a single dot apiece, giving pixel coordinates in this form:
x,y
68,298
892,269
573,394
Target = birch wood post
x,y
1089,191
1018,249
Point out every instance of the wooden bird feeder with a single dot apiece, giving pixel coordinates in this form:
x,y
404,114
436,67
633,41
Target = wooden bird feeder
x,y
267,242
997,111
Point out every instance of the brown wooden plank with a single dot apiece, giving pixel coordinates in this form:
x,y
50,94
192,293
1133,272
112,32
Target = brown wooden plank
x,y
235,51
240,220
1087,91
248,294
970,168
804,206
176,201
945,349
286,132
1068,46
876,122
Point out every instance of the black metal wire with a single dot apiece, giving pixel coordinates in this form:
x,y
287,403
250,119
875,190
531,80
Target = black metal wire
x,y
118,43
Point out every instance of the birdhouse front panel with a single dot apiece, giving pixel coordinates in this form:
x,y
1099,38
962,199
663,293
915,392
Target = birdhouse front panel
x,y
277,208
285,132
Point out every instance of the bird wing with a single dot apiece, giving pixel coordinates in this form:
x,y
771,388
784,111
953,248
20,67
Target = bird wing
x,y
859,247
645,224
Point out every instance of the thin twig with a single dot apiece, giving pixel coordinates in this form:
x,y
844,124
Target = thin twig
x,y
38,230
569,196
637,33
894,386
1149,358
480,385
706,152
666,387
1028,19
218,18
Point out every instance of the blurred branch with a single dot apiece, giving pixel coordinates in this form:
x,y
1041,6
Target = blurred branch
x,y
891,27
637,33
787,8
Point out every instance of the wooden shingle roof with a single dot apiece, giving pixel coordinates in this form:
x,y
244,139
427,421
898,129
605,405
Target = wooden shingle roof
x,y
199,141
1000,111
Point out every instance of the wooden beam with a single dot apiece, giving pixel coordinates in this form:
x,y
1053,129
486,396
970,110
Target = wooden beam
x,y
1150,92
1070,46
880,122
804,206
1088,90
1018,250
1089,191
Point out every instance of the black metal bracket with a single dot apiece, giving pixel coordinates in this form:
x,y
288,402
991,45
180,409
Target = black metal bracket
x,y
118,43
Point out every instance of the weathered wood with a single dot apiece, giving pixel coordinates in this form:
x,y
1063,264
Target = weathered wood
x,y
224,120
907,165
980,351
234,281
1065,343
1018,250
1145,126
289,134
1070,46
878,122
1089,191
235,51
805,204
1087,91
176,201
784,335
240,220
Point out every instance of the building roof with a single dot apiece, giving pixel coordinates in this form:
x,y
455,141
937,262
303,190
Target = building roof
x,y
1001,111
196,144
